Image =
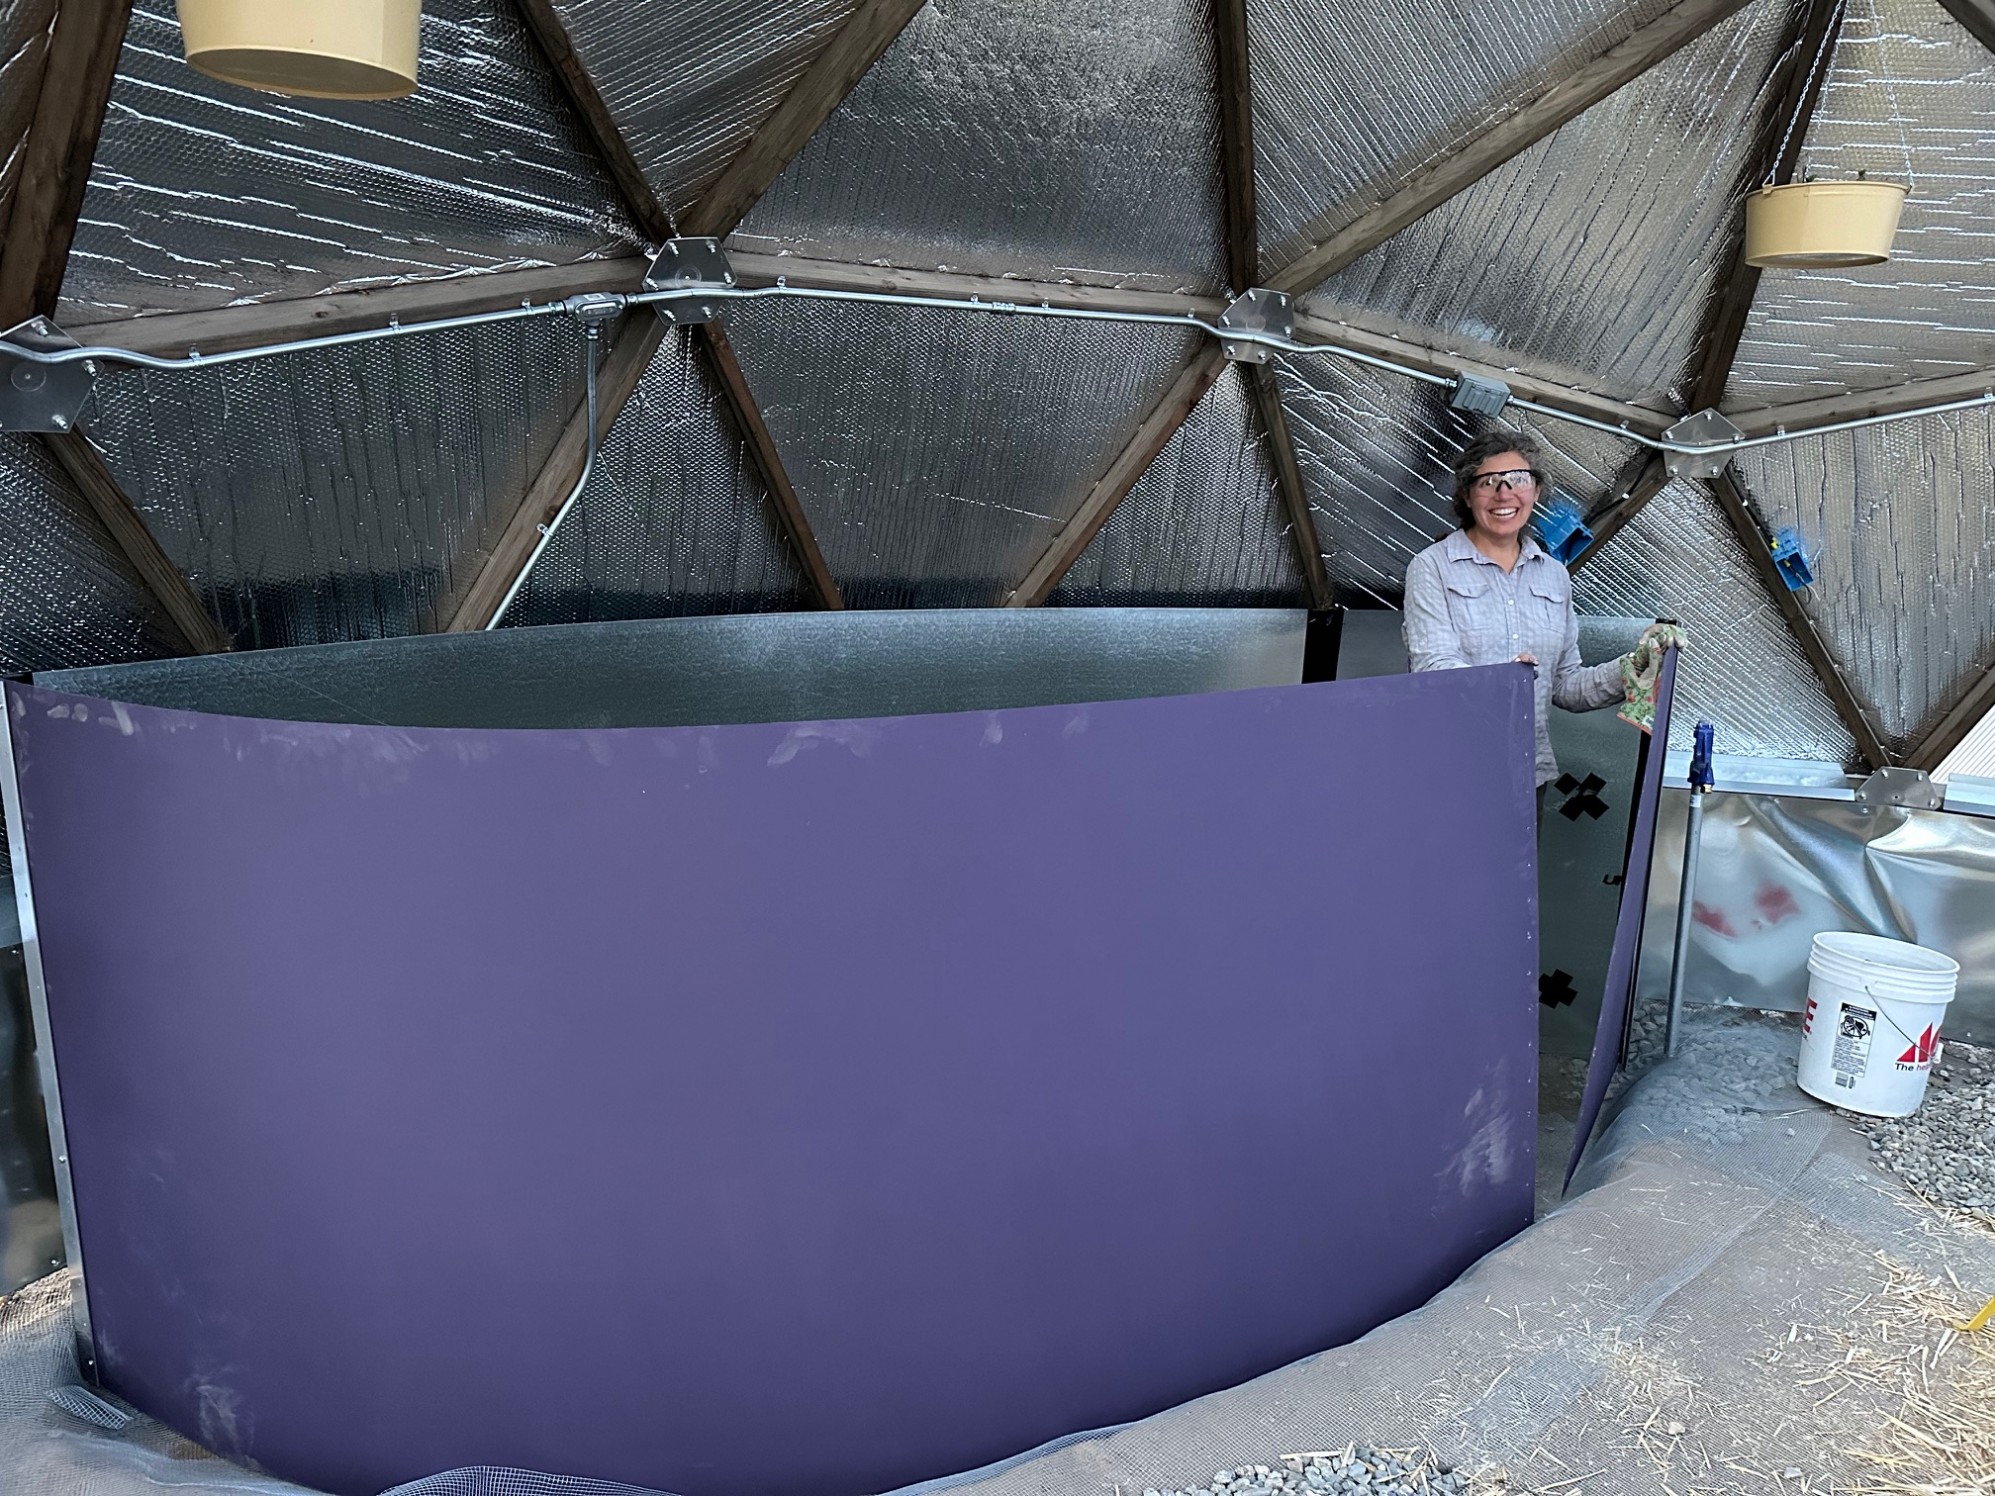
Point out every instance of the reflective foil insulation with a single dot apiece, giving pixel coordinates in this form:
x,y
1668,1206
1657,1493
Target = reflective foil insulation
x,y
24,37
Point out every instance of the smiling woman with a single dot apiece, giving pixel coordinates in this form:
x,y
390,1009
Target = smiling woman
x,y
1489,594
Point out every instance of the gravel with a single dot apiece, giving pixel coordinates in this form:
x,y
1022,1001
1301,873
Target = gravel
x,y
1946,1149
1358,1470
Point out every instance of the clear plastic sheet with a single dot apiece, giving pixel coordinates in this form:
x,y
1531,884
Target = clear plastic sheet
x,y
937,452
1743,671
66,597
1203,525
204,194
1597,250
689,83
341,494
1910,98
675,519
24,34
1376,453
1351,102
1901,520
1021,139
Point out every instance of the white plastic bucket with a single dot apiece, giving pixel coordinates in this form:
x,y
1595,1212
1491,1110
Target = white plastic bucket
x,y
1872,1025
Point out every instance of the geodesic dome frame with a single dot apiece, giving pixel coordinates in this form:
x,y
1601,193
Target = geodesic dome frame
x,y
1546,194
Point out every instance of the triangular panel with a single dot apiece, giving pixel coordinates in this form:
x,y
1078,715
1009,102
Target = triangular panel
x,y
1376,453
1203,526
1901,520
938,452
675,519
1048,142
1743,672
689,83
24,34
204,194
66,597
1911,99
342,494
1597,250
1353,101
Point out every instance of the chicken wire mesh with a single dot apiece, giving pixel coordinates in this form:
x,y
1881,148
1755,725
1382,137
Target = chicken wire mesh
x,y
1597,250
342,493
204,194
675,519
936,452
1025,138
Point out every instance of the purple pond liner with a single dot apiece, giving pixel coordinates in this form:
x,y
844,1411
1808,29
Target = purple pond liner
x,y
798,1108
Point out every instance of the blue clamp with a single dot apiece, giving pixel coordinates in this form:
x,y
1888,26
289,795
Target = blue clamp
x,y
1561,529
1703,741
1790,558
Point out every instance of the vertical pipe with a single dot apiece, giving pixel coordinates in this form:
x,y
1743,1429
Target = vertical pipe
x,y
1700,786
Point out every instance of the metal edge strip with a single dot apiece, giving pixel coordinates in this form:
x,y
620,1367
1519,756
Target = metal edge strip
x,y
31,955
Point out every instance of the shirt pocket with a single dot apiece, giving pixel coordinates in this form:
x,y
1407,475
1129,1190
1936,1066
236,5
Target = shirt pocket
x,y
1468,604
1547,601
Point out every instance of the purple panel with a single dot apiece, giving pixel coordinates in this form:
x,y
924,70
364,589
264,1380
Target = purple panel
x,y
1619,991
776,1109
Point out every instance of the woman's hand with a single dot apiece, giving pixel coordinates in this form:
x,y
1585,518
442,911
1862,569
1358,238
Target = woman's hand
x,y
1527,659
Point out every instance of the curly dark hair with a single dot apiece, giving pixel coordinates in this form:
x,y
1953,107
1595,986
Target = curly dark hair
x,y
1476,453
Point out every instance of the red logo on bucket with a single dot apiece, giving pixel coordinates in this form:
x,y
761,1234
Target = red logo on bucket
x,y
1921,1052
1808,1018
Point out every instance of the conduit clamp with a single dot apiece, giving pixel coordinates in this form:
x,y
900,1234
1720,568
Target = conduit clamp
x,y
1478,396
689,266
42,397
1706,428
1257,310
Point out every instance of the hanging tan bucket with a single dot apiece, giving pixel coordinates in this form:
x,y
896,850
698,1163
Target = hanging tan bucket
x,y
319,49
1822,225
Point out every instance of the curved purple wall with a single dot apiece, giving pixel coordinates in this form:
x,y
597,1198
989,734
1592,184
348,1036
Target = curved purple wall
x,y
804,1108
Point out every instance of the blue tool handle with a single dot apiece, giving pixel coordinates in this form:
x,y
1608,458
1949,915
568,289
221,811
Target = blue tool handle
x,y
1704,740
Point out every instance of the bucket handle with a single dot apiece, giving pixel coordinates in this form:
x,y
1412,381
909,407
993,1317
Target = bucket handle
x,y
1883,1013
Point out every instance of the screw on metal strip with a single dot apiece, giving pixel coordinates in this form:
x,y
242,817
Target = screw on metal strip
x,y
689,265
42,397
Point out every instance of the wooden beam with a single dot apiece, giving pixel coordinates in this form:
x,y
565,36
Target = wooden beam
x,y
834,73
1150,437
1319,326
1301,518
173,334
1457,170
790,516
1645,477
1731,495
17,112
1236,132
1947,733
944,285
632,345
1856,405
182,605
650,215
55,162
1978,16
1783,131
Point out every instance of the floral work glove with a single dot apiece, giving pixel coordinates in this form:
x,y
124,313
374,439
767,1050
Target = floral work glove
x,y
1641,672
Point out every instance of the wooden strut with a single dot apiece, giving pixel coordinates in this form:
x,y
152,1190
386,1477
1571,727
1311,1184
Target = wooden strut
x,y
1731,496
654,221
1647,476
1458,170
1978,16
1243,268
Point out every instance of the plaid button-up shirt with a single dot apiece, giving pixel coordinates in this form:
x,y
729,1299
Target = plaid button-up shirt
x,y
1463,609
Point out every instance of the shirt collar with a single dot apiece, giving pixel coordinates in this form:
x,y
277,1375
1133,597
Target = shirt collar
x,y
1461,548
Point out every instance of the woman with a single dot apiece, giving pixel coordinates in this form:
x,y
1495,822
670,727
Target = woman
x,y
1489,594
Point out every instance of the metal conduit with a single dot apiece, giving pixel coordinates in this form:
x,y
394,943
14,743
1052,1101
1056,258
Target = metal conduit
x,y
595,305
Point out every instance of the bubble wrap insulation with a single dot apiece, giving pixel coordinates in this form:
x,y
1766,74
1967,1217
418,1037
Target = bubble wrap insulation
x,y
341,494
675,519
67,597
1743,671
1911,97
688,83
1596,250
1025,138
1376,453
204,194
1204,525
1352,101
24,35
937,452
1904,519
